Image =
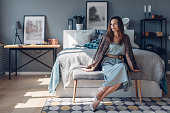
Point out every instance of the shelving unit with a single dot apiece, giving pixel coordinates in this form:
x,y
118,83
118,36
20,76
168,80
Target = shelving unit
x,y
149,27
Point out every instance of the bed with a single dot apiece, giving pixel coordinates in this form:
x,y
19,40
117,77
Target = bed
x,y
72,57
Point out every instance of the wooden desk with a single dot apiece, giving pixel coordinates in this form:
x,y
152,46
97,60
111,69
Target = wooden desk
x,y
30,47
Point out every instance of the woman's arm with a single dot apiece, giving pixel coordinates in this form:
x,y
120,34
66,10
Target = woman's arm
x,y
98,55
129,55
130,63
91,67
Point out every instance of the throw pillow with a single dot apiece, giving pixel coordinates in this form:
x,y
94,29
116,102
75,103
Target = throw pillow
x,y
134,45
80,38
98,34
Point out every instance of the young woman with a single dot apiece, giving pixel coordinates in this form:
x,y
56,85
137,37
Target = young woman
x,y
113,53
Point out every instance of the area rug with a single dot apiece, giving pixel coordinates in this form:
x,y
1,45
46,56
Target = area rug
x,y
108,105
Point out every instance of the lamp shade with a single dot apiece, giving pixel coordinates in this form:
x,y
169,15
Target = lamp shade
x,y
125,22
16,25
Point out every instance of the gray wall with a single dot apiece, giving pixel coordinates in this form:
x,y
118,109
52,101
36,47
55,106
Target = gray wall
x,y
57,13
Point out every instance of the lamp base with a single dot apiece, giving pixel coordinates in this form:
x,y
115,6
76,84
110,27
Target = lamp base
x,y
16,36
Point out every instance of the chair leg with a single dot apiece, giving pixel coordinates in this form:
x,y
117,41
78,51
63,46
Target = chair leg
x,y
136,87
139,86
74,93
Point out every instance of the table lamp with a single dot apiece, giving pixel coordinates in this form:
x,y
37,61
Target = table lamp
x,y
16,26
125,22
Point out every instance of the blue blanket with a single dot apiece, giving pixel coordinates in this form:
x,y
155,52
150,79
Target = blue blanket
x,y
55,78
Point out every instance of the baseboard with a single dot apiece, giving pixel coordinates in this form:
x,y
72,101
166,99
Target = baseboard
x,y
29,73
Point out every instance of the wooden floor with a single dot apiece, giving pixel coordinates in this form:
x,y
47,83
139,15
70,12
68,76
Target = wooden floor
x,y
23,94
27,94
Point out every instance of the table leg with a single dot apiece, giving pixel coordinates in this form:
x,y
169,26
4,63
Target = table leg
x,y
53,55
9,64
16,62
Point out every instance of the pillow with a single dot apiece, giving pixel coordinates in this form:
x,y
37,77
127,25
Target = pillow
x,y
134,45
98,34
130,33
80,38
93,44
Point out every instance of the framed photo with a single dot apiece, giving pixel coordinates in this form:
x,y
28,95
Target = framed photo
x,y
34,29
96,14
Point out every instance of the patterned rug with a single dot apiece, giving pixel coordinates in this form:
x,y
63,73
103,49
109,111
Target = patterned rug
x,y
108,105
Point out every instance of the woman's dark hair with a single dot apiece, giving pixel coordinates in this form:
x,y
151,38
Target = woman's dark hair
x,y
110,33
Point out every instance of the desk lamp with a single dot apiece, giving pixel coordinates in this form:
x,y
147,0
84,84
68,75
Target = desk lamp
x,y
125,22
16,26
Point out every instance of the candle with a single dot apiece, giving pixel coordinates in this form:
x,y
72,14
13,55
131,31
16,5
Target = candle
x,y
70,27
149,8
145,8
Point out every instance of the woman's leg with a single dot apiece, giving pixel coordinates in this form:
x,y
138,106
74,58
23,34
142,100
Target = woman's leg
x,y
107,91
96,102
100,92
110,90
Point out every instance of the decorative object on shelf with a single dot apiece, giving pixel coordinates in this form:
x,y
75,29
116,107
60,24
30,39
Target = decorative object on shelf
x,y
79,22
34,29
159,34
149,34
149,10
150,47
145,10
96,15
70,24
17,26
154,16
125,22
53,41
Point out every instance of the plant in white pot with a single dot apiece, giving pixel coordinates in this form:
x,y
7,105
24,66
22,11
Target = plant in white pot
x,y
79,22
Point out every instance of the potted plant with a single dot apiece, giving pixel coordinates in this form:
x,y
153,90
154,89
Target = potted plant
x,y
79,22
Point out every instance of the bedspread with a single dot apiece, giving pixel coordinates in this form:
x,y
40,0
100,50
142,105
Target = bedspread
x,y
150,64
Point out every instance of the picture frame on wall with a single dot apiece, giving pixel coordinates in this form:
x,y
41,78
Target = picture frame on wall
x,y
34,29
96,15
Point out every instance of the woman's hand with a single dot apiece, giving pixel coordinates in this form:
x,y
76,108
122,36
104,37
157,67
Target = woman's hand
x,y
89,69
135,70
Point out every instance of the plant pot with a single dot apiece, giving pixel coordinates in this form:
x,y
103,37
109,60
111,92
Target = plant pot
x,y
79,26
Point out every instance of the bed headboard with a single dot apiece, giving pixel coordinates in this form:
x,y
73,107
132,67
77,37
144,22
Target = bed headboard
x,y
69,36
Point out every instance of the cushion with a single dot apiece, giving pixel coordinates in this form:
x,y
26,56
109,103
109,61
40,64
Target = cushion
x,y
98,34
130,33
80,38
134,45
82,75
93,44
78,74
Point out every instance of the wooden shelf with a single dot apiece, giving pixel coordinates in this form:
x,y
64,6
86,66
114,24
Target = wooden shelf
x,y
31,46
153,19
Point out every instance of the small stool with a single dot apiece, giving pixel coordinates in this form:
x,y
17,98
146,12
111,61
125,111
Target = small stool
x,y
98,75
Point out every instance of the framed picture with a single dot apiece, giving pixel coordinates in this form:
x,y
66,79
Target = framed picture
x,y
96,14
34,29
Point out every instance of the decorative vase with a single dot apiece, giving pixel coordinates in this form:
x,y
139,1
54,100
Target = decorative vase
x,y
79,26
